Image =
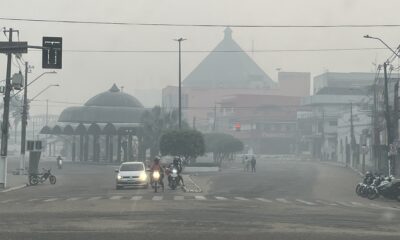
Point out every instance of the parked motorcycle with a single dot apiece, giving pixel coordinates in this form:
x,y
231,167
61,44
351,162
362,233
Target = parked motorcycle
x,y
34,179
388,188
362,187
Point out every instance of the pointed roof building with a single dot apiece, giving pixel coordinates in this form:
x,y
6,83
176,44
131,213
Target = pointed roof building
x,y
228,66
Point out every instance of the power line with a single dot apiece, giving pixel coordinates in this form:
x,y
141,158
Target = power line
x,y
209,51
195,25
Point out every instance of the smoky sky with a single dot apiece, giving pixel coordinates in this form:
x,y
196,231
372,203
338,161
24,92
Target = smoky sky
x,y
86,74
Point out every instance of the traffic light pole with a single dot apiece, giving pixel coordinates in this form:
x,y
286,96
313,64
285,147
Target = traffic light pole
x,y
24,122
4,125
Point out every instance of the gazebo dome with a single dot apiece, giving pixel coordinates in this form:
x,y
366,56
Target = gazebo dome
x,y
112,106
114,98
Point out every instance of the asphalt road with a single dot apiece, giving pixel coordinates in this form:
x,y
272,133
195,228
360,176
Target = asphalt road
x,y
283,200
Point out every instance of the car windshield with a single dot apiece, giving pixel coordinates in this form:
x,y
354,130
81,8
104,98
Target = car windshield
x,y
131,167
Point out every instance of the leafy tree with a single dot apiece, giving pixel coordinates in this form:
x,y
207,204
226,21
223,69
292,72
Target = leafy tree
x,y
187,143
223,146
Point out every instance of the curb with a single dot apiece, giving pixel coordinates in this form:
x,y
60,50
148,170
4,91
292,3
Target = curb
x,y
14,188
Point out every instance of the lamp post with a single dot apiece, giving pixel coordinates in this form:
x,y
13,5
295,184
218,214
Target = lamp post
x,y
179,40
25,114
25,120
386,100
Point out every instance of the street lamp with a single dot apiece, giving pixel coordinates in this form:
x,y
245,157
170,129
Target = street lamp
x,y
376,38
25,118
49,86
386,100
180,40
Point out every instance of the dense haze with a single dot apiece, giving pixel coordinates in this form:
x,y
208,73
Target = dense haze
x,y
85,74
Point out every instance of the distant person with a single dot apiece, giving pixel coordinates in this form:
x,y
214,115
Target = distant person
x,y
246,164
253,164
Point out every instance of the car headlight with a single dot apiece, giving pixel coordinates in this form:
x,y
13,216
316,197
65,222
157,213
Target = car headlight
x,y
119,177
143,176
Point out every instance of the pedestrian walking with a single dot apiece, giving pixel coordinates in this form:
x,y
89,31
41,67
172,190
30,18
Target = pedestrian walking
x,y
253,164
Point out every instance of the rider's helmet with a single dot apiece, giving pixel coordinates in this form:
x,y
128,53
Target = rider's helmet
x,y
157,159
176,160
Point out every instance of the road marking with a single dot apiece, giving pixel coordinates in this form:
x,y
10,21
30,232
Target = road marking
x,y
357,204
33,200
72,199
345,204
221,198
305,202
50,200
94,198
241,199
136,198
115,197
282,200
200,198
157,198
179,198
6,201
383,207
13,188
264,200
326,203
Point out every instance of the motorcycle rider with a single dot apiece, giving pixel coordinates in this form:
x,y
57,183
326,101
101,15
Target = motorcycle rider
x,y
177,163
59,162
156,166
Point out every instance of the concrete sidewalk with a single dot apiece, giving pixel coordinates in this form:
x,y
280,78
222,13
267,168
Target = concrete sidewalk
x,y
15,182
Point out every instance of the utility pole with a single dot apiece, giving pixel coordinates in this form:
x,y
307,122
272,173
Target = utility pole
x,y
6,112
215,117
323,134
179,40
24,121
395,120
352,137
388,120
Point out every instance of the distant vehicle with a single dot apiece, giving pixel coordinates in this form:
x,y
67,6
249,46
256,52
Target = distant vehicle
x,y
131,174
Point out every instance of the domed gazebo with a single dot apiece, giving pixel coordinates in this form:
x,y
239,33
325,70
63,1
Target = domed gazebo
x,y
102,118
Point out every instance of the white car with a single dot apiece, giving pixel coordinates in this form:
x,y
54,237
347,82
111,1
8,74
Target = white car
x,y
131,174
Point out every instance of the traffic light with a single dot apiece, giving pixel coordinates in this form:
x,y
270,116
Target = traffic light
x,y
52,52
237,127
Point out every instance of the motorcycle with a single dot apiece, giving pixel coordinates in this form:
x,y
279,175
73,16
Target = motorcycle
x,y
34,179
156,180
362,187
388,188
173,179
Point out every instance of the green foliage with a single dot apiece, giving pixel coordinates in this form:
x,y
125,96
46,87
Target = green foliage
x,y
222,145
155,122
187,143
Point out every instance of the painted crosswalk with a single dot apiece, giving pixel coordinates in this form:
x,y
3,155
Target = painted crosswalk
x,y
206,198
221,198
136,198
157,198
305,202
179,197
200,197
